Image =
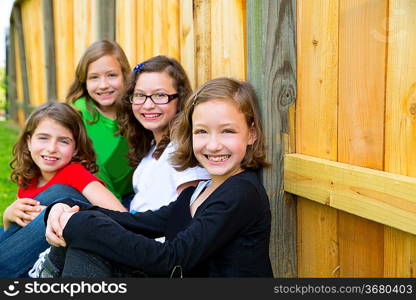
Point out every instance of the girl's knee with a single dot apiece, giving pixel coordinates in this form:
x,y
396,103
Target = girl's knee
x,y
58,192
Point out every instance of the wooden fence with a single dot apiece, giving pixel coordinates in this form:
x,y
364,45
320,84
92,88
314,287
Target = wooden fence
x,y
342,184
355,106
49,36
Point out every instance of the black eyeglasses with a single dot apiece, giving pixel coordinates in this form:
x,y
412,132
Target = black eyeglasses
x,y
138,98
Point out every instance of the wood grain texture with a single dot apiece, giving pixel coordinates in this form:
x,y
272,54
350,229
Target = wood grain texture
x,y
126,32
32,23
63,12
11,74
49,47
147,25
317,251
362,63
142,41
228,39
159,27
271,50
376,195
21,65
85,26
202,26
18,61
400,123
316,129
187,39
172,29
106,15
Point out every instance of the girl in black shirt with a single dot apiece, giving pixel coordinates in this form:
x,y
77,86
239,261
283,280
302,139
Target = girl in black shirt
x,y
221,228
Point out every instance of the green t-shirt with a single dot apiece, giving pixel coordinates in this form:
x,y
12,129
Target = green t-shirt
x,y
110,150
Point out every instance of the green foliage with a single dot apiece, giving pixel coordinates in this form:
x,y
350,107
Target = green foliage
x,y
8,137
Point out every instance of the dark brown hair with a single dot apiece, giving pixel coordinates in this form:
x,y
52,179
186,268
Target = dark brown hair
x,y
24,168
97,50
240,93
139,138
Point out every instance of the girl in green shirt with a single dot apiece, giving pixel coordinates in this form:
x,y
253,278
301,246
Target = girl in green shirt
x,y
99,81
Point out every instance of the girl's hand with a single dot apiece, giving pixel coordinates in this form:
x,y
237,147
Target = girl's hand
x,y
36,213
22,212
53,226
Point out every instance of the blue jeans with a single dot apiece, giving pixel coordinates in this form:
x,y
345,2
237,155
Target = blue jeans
x,y
21,246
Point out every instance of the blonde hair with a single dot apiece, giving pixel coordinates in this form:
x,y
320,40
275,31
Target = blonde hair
x,y
24,168
95,51
139,138
242,94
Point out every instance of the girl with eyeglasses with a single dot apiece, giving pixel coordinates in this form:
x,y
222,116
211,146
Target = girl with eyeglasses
x,y
221,228
154,95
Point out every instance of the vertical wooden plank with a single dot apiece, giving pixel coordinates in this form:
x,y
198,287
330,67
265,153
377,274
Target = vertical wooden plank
x,y
186,39
63,12
362,62
141,39
271,45
202,23
400,123
316,130
228,39
159,26
34,47
82,22
219,63
93,19
148,29
173,34
166,28
19,75
21,65
49,47
11,73
106,16
126,22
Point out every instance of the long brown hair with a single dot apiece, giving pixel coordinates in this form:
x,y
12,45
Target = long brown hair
x,y
241,93
97,50
24,168
139,138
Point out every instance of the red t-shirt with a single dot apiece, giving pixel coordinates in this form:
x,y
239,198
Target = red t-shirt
x,y
74,175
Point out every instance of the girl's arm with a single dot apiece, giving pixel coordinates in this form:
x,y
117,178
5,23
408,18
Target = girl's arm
x,y
99,195
220,221
22,212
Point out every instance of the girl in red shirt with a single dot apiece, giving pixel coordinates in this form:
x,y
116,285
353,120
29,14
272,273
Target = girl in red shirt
x,y
53,148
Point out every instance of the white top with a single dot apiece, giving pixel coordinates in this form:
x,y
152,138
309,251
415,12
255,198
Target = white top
x,y
155,181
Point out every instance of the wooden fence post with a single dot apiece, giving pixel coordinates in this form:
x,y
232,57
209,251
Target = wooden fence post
x,y
17,18
11,74
271,50
106,19
49,44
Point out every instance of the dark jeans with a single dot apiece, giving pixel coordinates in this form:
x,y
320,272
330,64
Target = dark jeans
x,y
76,263
21,246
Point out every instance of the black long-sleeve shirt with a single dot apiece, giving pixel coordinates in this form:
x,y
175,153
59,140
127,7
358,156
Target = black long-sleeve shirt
x,y
227,237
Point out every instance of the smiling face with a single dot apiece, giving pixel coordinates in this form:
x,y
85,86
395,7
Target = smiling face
x,y
51,147
155,117
220,136
105,81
